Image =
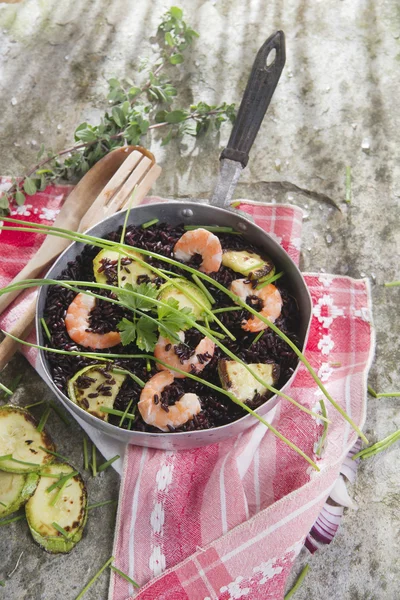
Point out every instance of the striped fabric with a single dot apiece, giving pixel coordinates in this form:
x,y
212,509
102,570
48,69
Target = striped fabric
x,y
228,520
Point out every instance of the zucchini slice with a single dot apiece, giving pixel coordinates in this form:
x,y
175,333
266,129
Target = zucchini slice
x,y
15,490
248,263
69,510
168,290
105,265
93,387
20,438
236,379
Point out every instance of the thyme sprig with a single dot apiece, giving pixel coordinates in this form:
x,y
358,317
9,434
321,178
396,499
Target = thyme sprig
x,y
133,110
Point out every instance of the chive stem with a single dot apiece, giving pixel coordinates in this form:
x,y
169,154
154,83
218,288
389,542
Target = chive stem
x,y
61,530
148,365
94,461
106,464
254,268
12,520
135,378
2,503
96,576
211,228
321,444
5,389
392,284
24,462
85,453
203,288
266,282
61,480
46,329
126,412
150,223
298,583
117,413
227,309
372,392
53,453
388,395
258,336
379,446
125,576
34,404
43,420
99,504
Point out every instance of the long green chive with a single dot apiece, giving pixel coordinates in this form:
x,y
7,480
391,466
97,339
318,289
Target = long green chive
x,y
236,203
388,395
227,309
325,430
60,490
53,453
126,412
106,464
94,461
379,446
203,289
298,583
258,336
254,267
122,239
348,185
46,329
392,284
135,378
58,232
372,392
85,454
61,530
61,480
12,520
91,582
117,413
24,462
34,404
6,457
2,503
2,583
266,282
148,365
43,420
5,389
59,413
150,223
212,228
125,576
98,504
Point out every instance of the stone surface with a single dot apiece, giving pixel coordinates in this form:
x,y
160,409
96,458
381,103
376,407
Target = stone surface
x,y
336,106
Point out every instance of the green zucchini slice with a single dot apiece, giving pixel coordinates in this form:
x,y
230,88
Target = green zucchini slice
x,y
20,438
197,306
69,511
15,490
90,388
105,265
248,263
236,379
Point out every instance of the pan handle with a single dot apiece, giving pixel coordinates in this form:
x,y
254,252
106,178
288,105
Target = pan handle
x,y
260,87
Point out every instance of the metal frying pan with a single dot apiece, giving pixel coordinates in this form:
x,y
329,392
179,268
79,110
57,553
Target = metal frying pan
x,y
261,85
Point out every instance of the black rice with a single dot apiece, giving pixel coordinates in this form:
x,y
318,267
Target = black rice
x,y
216,408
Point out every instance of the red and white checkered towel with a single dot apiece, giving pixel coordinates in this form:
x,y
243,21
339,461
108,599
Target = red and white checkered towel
x,y
227,521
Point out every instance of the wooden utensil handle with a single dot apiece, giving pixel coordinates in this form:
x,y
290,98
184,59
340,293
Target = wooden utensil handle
x,y
21,329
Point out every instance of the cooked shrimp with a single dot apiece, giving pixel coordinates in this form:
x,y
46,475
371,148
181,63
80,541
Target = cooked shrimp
x,y
269,298
154,413
77,324
171,354
203,242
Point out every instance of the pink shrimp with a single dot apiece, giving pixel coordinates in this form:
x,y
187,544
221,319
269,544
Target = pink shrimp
x,y
166,352
77,323
177,414
203,242
268,295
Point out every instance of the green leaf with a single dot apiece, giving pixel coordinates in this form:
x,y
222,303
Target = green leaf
x,y
161,116
118,116
134,91
176,12
167,138
19,198
128,331
176,116
169,39
146,338
4,203
86,135
113,83
41,152
146,289
176,59
175,322
30,186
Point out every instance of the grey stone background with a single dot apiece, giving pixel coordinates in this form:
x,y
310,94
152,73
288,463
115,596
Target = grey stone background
x,y
337,105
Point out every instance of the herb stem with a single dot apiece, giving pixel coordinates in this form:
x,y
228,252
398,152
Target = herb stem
x,y
392,284
46,329
99,504
106,464
211,228
269,280
12,520
126,412
203,288
125,576
85,454
379,446
372,392
325,430
135,378
258,336
28,406
43,420
61,530
150,223
298,583
53,453
5,389
388,395
61,480
96,576
94,461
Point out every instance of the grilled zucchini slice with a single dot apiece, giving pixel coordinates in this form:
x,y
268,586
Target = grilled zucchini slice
x,y
248,263
129,272
69,511
90,389
168,290
236,379
15,490
20,438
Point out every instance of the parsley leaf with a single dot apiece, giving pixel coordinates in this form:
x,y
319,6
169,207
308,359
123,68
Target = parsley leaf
x,y
175,322
146,334
146,289
128,331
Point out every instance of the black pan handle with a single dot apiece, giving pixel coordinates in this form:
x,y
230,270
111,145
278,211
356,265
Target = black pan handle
x,y
261,85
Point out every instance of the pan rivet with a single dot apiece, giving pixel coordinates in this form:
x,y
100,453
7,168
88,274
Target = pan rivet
x,y
242,226
187,212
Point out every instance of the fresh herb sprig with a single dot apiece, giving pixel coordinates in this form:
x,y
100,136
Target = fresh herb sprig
x,y
134,108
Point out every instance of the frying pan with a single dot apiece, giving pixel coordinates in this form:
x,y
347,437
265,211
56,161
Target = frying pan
x,y
260,87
